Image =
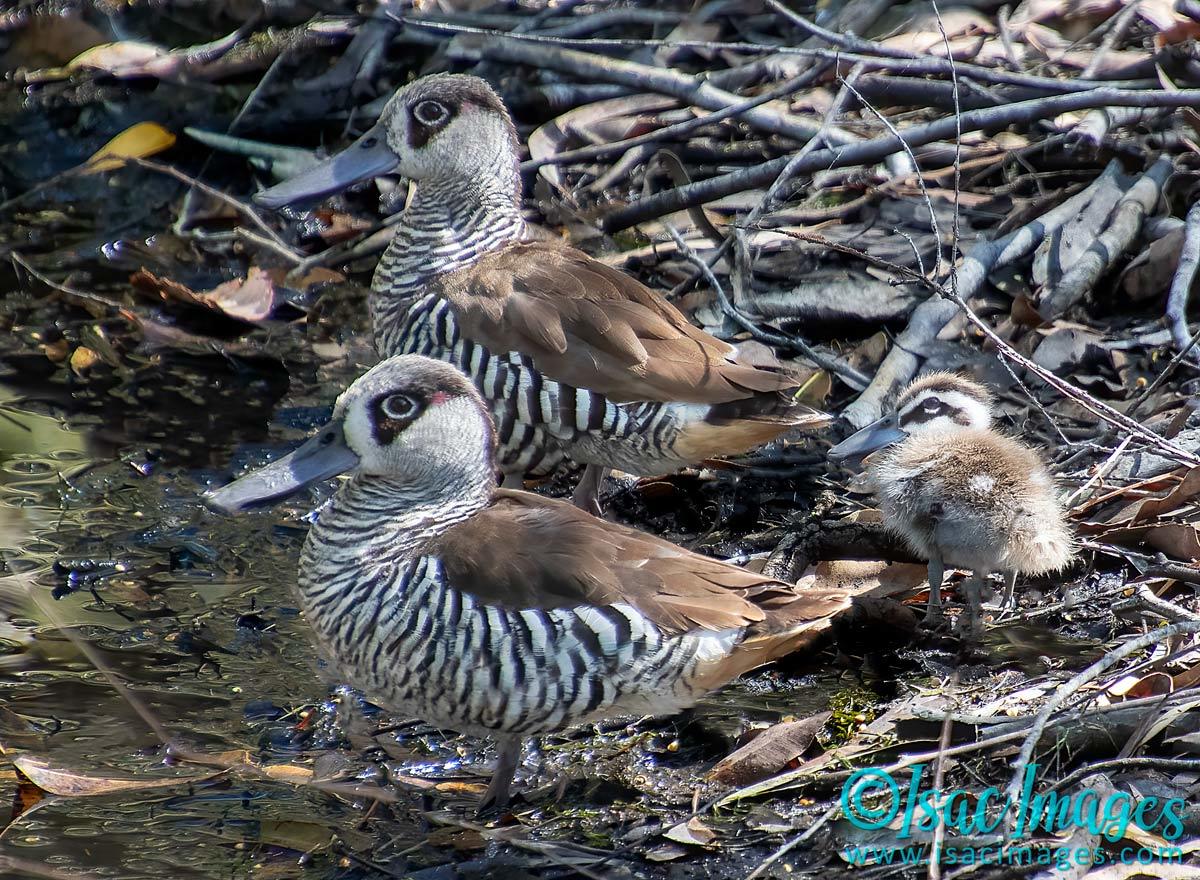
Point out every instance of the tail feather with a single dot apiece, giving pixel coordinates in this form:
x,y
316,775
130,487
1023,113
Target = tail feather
x,y
799,625
741,425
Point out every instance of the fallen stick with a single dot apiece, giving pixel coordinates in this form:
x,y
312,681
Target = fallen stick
x,y
876,149
676,130
1181,285
1070,688
691,89
1091,131
933,314
1122,228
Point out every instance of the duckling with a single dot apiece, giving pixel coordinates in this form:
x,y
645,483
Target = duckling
x,y
497,612
576,359
958,492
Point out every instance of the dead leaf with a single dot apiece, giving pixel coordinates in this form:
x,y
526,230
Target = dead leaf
x,y
71,783
121,59
311,278
1151,271
692,832
1177,540
454,787
136,142
666,852
1145,509
769,752
1132,687
251,299
57,351
301,837
461,839
83,359
48,40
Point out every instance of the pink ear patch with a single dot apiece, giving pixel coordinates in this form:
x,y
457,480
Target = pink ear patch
x,y
439,397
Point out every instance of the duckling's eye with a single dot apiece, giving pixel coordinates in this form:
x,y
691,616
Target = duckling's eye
x,y
431,113
399,406
932,405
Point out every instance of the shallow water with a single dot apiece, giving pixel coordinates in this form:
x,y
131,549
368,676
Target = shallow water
x,y
105,535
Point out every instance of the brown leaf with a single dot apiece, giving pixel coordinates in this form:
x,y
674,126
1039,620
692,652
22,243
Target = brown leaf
x,y
71,783
48,40
1145,509
57,351
769,752
251,299
1151,271
121,59
311,278
1178,540
461,839
454,787
1132,687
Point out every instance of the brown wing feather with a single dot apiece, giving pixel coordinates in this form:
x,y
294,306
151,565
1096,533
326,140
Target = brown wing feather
x,y
526,551
591,326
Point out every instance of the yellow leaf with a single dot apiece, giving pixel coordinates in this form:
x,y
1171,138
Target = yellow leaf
x,y
136,142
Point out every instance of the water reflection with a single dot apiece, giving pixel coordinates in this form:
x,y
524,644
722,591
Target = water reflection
x,y
125,558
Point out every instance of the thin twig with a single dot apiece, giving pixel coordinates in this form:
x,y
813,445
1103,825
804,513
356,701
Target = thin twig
x,y
1162,377
17,258
1069,689
692,89
1116,29
866,152
873,55
796,841
678,129
847,373
240,206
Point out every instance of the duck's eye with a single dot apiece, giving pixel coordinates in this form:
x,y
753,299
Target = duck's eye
x,y
431,113
399,406
932,405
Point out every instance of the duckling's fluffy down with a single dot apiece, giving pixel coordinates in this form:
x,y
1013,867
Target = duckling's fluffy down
x,y
975,499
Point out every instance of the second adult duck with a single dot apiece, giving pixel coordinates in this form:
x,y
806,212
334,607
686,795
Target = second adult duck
x,y
575,358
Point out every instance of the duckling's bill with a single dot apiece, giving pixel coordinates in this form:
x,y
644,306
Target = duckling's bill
x,y
366,158
874,436
322,457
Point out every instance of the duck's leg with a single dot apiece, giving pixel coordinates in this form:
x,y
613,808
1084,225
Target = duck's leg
x,y
587,494
973,587
508,758
512,481
1010,584
937,571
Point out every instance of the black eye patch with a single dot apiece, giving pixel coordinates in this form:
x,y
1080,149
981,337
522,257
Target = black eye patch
x,y
930,409
391,414
427,118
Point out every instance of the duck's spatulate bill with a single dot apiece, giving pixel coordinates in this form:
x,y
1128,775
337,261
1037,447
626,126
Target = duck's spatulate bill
x,y
367,157
322,457
875,436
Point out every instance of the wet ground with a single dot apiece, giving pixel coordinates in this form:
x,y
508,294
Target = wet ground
x,y
193,613
118,409
102,533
